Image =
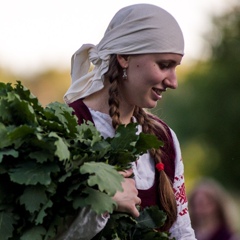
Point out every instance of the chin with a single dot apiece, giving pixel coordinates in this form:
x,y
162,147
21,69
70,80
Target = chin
x,y
150,105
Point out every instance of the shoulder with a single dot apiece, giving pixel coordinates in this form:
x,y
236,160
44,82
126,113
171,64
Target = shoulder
x,y
162,130
81,111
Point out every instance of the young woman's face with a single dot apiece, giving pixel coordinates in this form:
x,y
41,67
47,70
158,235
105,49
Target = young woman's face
x,y
149,75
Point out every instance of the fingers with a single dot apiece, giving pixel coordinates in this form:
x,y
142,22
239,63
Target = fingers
x,y
135,212
127,173
128,198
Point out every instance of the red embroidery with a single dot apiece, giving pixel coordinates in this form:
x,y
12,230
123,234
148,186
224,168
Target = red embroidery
x,y
183,212
180,194
176,178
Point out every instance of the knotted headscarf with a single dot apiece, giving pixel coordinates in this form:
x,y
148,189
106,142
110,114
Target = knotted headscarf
x,y
136,29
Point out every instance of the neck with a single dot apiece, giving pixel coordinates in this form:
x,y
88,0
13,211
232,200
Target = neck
x,y
98,101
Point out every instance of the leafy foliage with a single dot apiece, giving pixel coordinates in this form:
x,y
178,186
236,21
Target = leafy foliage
x,y
145,227
50,167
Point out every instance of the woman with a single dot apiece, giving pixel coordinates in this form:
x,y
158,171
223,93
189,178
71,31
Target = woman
x,y
134,64
212,212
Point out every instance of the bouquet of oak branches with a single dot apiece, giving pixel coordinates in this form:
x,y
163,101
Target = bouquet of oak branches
x,y
51,167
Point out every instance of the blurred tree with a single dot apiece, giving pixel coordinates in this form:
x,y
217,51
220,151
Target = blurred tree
x,y
49,86
205,110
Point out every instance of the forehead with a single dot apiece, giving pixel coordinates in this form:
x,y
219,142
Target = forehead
x,y
165,57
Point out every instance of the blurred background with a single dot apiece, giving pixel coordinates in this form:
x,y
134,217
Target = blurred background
x,y
38,39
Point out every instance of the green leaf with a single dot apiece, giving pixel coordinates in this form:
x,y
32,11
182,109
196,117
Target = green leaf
x,y
20,111
33,198
64,115
6,225
41,156
35,233
98,201
104,176
30,173
3,135
125,137
151,217
8,152
146,142
25,94
62,151
88,134
20,134
42,213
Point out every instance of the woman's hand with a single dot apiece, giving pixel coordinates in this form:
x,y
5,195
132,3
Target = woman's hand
x,y
128,199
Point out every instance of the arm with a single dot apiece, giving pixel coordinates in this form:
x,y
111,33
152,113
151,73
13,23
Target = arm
x,y
181,229
85,226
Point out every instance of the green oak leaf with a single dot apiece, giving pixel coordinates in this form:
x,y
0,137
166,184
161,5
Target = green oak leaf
x,y
19,135
104,176
8,152
151,217
25,94
146,142
30,173
64,117
125,137
3,135
33,198
42,213
62,151
7,221
41,156
21,111
36,233
98,201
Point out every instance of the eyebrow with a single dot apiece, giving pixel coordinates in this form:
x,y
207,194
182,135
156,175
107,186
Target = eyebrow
x,y
172,62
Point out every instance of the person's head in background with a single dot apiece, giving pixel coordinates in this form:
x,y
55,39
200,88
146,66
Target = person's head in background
x,y
211,209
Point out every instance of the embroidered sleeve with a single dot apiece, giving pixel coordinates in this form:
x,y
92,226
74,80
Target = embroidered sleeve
x,y
182,229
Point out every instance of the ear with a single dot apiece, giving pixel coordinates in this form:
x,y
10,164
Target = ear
x,y
123,60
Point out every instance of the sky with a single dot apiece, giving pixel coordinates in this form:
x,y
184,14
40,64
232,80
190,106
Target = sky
x,y
40,34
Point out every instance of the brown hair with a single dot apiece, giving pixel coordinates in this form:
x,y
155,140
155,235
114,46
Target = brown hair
x,y
149,125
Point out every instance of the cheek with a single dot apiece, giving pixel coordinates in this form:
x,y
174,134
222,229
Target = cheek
x,y
146,73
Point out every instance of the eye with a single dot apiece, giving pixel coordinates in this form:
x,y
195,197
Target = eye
x,y
164,65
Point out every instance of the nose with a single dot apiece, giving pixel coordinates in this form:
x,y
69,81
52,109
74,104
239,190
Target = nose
x,y
171,81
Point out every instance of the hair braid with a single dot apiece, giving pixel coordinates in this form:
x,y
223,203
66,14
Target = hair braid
x,y
112,75
166,194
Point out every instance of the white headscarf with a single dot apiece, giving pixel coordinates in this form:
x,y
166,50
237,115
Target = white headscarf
x,y
136,29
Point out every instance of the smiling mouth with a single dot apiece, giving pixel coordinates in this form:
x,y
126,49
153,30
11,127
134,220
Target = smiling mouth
x,y
157,91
